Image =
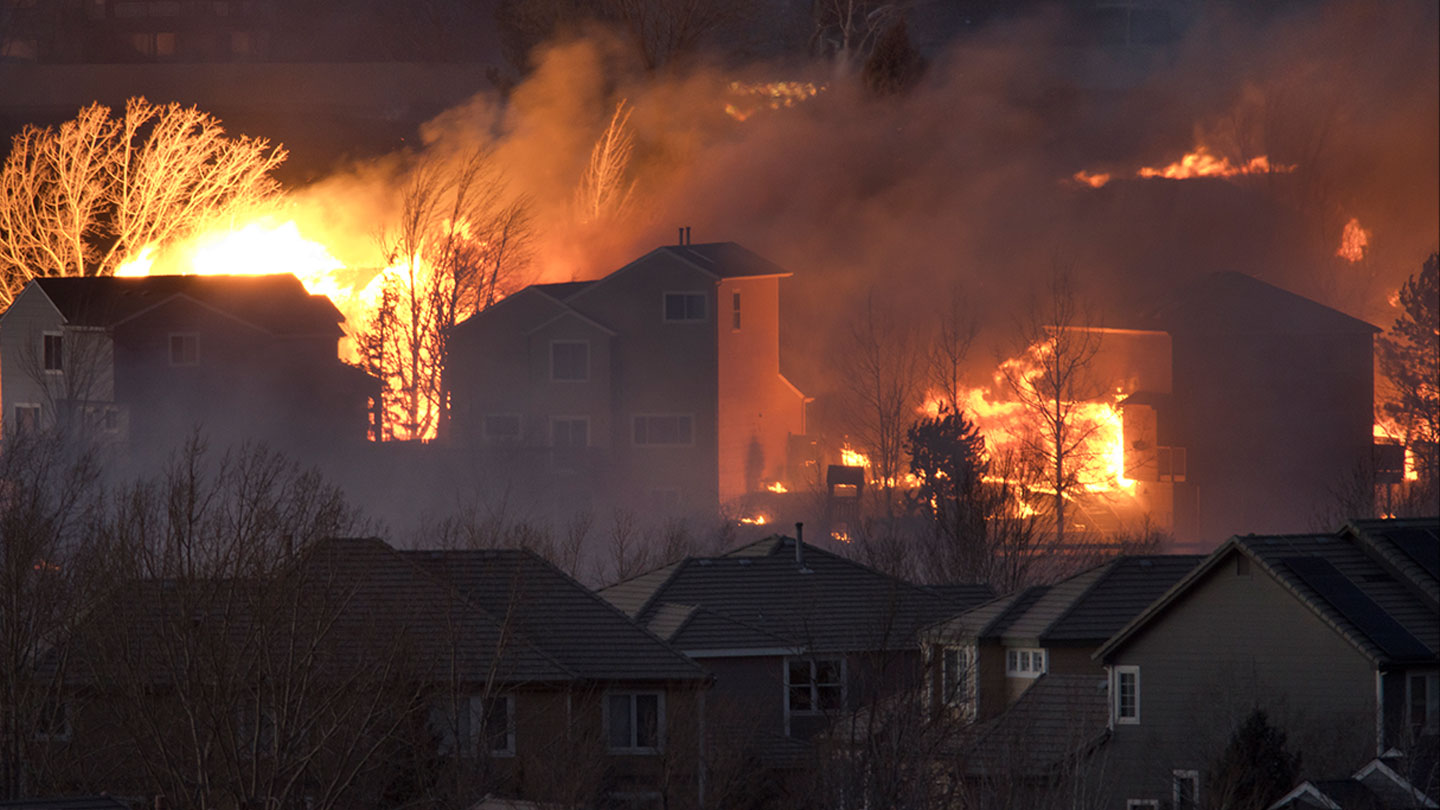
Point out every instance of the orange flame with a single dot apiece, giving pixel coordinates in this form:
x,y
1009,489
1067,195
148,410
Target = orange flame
x,y
776,486
1200,163
753,97
1353,241
755,520
1391,431
1093,180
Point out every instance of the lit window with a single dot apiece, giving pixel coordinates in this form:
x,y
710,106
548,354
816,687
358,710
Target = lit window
x,y
570,361
1127,695
814,685
1186,790
684,306
664,429
634,720
474,724
184,349
164,44
53,352
1026,663
501,428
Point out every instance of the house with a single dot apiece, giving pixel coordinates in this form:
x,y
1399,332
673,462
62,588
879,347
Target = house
x,y
1335,636
990,655
1375,786
655,387
141,361
797,637
409,674
1248,404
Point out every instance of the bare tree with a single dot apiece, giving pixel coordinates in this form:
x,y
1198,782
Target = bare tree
x,y
604,193
882,368
847,30
460,245
81,198
1058,343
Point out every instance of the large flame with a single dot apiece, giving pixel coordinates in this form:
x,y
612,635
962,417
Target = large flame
x,y
1198,163
1353,241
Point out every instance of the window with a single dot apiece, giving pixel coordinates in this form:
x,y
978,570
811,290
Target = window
x,y
814,684
27,418
184,349
569,361
662,429
474,724
53,352
1127,695
633,721
1423,701
501,428
1171,462
569,431
684,306
1142,804
1186,791
956,683
53,722
1026,663
735,311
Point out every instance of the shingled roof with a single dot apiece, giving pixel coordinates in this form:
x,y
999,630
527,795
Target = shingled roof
x,y
1368,582
759,597
277,303
1057,720
1087,607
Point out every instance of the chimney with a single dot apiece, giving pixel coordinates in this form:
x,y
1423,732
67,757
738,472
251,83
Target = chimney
x,y
680,240
687,234
800,548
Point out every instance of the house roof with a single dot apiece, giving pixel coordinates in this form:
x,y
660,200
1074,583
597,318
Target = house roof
x,y
1059,718
561,290
277,303
1376,786
1342,579
570,623
503,615
1087,607
758,597
1231,301
726,260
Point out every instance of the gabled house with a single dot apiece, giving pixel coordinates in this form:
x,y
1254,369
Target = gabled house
x,y
466,674
990,655
1377,785
140,361
796,636
1336,636
656,387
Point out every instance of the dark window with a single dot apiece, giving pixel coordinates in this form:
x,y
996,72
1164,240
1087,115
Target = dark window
x,y
53,723
570,361
184,349
474,724
814,685
569,431
27,418
634,721
1187,790
1127,695
663,429
685,306
53,349
501,428
735,312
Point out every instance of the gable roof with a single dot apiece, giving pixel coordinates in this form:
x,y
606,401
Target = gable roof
x,y
1058,719
587,635
277,303
1231,301
1086,607
757,597
726,260
1339,578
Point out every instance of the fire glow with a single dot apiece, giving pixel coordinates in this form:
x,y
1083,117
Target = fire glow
x,y
1196,164
753,97
1353,241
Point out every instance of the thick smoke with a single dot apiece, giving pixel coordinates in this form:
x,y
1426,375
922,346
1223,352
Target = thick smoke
x,y
961,185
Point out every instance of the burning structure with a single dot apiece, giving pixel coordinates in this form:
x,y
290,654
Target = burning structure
x,y
136,360
656,386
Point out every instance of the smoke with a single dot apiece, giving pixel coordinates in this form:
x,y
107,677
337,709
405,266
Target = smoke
x,y
961,186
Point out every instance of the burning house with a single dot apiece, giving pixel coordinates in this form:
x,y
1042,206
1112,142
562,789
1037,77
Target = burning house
x,y
1251,406
140,361
657,386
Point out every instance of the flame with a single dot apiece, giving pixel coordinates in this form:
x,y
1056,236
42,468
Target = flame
x,y
1200,163
776,486
851,457
1353,241
1390,430
840,536
1095,180
755,96
755,520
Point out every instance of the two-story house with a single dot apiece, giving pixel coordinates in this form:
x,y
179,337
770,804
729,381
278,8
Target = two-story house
x,y
140,361
361,669
1335,636
797,638
657,386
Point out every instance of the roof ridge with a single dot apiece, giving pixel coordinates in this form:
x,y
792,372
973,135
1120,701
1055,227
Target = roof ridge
x,y
1109,566
650,601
